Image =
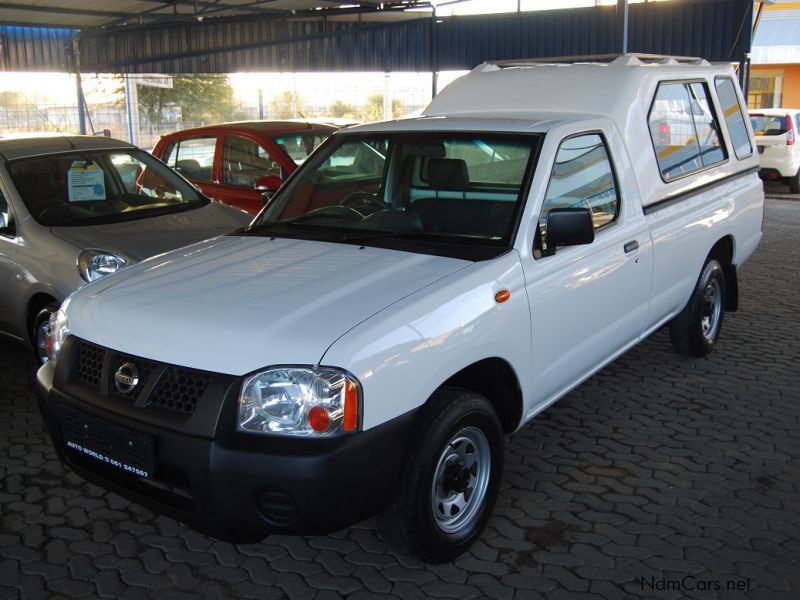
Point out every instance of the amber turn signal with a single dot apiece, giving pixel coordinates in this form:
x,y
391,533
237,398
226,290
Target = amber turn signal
x,y
350,422
502,296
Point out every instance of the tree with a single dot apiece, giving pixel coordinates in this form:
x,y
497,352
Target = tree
x,y
202,99
398,108
373,108
287,105
342,110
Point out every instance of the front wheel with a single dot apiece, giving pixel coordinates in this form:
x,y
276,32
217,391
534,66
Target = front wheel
x,y
695,331
41,329
450,478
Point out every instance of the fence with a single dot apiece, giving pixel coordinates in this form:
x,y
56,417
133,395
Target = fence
x,y
48,102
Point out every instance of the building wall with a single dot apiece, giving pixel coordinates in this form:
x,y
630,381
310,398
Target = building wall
x,y
790,88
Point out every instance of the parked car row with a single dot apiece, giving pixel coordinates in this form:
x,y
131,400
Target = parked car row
x,y
73,209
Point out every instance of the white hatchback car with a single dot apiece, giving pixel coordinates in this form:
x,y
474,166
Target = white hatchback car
x,y
776,136
76,208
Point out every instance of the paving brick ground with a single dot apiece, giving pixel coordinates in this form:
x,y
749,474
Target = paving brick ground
x,y
656,469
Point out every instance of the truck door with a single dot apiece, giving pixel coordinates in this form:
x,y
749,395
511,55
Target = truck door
x,y
590,302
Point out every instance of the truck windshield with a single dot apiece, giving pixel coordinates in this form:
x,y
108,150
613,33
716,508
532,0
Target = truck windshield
x,y
419,191
95,187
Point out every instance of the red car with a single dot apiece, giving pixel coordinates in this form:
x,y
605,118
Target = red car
x,y
235,163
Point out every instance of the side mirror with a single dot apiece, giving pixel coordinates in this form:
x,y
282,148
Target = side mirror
x,y
270,183
568,227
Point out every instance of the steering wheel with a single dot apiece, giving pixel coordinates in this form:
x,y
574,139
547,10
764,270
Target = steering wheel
x,y
362,200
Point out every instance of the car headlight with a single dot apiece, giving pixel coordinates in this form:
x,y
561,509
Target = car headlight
x,y
300,401
59,331
94,264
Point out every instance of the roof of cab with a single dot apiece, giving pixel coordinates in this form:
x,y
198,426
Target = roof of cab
x,y
22,146
516,89
539,123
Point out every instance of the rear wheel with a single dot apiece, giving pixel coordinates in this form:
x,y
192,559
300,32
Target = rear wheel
x,y
694,332
450,478
41,329
794,183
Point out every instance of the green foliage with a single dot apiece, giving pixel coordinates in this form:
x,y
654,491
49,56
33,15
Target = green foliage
x,y
373,108
202,98
342,110
287,105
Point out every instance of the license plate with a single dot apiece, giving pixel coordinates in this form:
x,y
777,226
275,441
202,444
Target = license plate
x,y
125,449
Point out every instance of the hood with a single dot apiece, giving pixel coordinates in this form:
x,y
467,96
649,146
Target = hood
x,y
147,237
237,304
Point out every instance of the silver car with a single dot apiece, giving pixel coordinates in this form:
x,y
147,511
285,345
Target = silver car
x,y
74,209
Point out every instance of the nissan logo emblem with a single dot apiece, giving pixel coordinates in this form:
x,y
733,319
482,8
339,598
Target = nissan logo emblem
x,y
126,378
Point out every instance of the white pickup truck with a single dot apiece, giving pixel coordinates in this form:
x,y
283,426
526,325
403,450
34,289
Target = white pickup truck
x,y
416,291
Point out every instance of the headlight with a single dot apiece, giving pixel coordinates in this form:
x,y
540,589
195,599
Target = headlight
x,y
94,264
59,331
299,401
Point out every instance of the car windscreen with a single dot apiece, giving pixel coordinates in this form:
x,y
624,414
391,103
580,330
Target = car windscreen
x,y
423,192
298,146
768,124
99,186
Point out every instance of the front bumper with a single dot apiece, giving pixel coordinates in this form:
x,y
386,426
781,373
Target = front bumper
x,y
239,487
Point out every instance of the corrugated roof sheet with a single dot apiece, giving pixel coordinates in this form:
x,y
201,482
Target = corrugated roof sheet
x,y
712,29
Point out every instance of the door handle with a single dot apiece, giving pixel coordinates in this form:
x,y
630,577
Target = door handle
x,y
631,246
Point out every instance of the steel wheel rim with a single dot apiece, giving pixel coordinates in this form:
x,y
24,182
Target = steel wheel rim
x,y
712,310
460,480
41,340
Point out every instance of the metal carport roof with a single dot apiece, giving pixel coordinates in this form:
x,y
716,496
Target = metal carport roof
x,y
94,14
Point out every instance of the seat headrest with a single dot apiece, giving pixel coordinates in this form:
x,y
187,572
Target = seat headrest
x,y
448,174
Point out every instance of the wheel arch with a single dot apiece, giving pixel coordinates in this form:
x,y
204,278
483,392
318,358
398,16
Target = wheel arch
x,y
36,303
723,251
496,380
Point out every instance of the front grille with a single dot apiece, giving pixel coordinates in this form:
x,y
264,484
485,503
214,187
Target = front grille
x,y
89,364
180,389
167,387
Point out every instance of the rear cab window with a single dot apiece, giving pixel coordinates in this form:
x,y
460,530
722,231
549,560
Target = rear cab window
x,y
734,117
684,129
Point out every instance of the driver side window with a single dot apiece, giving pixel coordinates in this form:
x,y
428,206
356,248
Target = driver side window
x,y
582,177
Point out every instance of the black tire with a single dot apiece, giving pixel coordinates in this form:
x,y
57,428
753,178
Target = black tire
x,y
695,331
455,421
41,324
794,183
